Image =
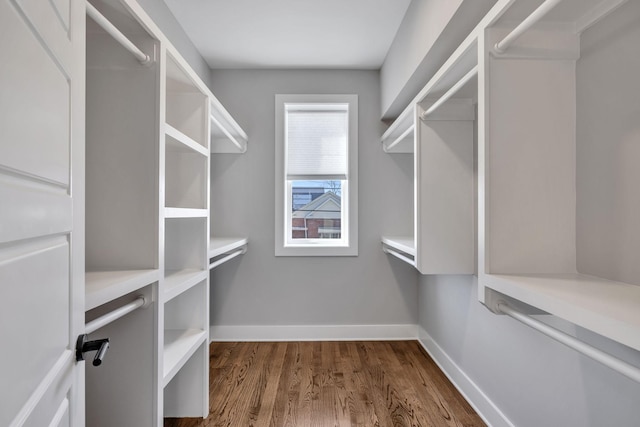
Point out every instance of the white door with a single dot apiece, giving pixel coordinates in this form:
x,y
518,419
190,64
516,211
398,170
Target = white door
x,y
41,212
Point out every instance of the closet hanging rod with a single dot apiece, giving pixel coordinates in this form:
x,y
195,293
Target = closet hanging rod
x,y
114,315
528,22
111,29
402,136
226,132
399,255
606,359
452,91
227,258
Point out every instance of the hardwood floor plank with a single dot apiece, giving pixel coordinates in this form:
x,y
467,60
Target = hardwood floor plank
x,y
337,384
285,411
272,374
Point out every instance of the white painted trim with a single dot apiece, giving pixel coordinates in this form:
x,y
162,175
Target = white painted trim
x,y
483,405
312,332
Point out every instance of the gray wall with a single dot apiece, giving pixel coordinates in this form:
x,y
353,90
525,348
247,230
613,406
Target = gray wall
x,y
164,19
531,378
260,289
430,31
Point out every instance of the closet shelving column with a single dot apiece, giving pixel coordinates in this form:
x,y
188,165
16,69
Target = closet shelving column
x,y
227,137
184,291
438,129
122,252
531,238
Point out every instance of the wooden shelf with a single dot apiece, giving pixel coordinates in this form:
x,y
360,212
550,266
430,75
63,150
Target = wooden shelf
x,y
609,308
178,281
179,346
185,213
178,141
102,287
221,245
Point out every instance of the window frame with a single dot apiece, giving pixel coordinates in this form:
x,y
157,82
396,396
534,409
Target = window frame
x,y
348,246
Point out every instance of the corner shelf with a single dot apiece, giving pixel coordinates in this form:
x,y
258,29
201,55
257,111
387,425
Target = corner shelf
x,y
442,144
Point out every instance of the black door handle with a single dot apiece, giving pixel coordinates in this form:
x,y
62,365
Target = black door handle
x,y
83,345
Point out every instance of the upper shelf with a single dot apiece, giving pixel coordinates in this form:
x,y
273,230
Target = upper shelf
x,y
576,14
454,75
226,135
105,286
400,135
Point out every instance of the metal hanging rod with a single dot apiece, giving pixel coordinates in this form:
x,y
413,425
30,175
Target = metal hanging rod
x,y
528,22
106,25
606,359
399,255
114,315
452,91
227,258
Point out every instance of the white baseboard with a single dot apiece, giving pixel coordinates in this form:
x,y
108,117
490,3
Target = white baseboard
x,y
484,406
312,332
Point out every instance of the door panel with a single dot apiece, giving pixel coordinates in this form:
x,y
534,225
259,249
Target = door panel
x,y
35,283
32,209
41,226
36,103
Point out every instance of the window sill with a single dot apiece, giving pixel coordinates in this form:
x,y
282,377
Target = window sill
x,y
316,250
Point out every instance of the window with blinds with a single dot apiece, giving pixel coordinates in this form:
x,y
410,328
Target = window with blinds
x,y
316,144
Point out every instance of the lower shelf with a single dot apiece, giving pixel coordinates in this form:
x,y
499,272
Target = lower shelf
x,y
179,346
608,308
403,248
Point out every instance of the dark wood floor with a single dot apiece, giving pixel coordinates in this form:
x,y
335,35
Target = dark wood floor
x,y
299,384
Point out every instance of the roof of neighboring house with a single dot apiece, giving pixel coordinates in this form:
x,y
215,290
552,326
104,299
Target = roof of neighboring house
x,y
326,206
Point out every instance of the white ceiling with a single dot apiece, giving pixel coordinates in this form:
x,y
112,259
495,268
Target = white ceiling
x,y
340,34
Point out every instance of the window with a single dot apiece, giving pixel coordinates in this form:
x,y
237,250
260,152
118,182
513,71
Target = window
x,y
316,175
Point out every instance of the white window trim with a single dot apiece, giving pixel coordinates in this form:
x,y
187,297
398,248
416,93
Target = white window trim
x,y
281,246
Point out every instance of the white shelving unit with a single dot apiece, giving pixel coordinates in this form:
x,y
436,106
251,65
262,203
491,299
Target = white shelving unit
x,y
122,244
149,126
185,288
442,144
538,215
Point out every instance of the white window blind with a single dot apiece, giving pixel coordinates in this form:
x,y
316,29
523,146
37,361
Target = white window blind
x,y
317,142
